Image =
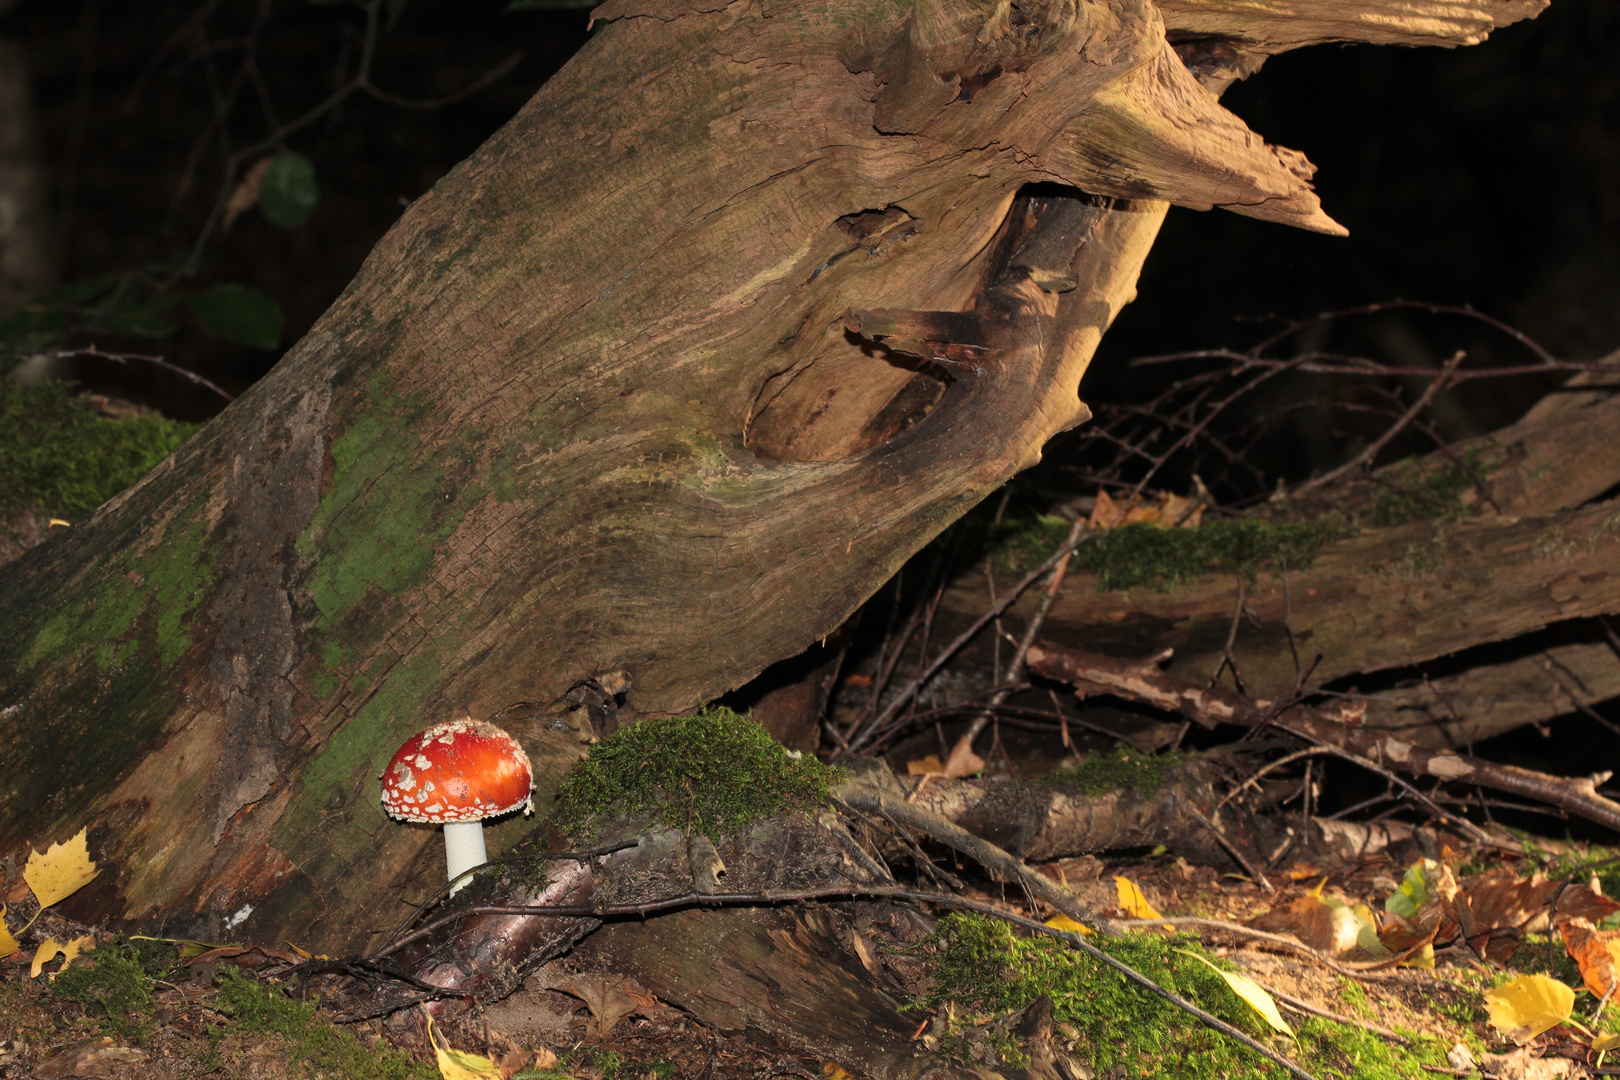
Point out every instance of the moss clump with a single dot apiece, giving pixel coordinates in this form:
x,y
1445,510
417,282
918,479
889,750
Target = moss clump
x,y
115,985
62,458
987,968
1123,770
262,1009
1413,493
712,773
1146,556
1019,546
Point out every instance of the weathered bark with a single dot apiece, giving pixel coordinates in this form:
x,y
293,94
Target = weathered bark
x,y
1528,550
1338,727
598,404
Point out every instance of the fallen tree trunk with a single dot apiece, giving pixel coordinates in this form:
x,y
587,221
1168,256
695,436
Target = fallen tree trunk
x,y
1481,616
1339,728
653,390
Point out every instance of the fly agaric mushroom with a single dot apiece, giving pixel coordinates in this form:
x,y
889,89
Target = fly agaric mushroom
x,y
457,774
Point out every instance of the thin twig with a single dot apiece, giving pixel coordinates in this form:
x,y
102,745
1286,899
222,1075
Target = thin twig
x,y
155,361
1377,445
950,650
1015,667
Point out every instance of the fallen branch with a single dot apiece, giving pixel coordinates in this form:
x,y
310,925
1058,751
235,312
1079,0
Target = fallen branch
x,y
997,861
1337,728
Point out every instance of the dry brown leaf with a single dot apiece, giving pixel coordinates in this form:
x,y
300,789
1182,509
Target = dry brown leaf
x,y
245,196
1326,926
925,766
963,761
1500,900
93,1057
609,997
1159,508
1596,952
1584,902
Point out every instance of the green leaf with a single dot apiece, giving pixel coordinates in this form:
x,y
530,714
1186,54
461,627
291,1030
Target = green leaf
x,y
289,193
1414,892
240,313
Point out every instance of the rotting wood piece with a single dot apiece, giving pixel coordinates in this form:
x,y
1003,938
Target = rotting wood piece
x,y
1340,728
1382,598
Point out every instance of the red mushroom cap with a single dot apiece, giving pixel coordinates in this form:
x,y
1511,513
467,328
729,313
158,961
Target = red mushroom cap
x,y
464,770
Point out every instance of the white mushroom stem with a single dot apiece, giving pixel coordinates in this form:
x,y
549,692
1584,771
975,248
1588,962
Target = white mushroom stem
x,y
463,850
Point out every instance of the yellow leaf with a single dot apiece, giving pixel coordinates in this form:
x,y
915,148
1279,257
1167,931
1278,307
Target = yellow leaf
x,y
1528,1006
50,947
1422,959
1132,902
1605,1042
460,1064
1251,992
61,871
834,1071
1063,922
8,944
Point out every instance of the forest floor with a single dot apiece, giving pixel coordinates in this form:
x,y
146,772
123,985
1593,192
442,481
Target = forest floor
x,y
147,1008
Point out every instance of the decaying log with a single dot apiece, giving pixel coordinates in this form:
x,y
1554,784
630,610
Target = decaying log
x,y
1339,727
1379,599
1526,550
1043,822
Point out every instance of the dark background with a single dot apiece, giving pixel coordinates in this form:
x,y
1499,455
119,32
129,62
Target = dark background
x,y
1487,176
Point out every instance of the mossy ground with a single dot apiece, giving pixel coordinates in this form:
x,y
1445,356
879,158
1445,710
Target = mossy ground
x,y
261,1009
712,772
60,457
1124,768
127,989
993,971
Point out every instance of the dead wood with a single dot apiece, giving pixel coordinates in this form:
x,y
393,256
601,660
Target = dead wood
x,y
1338,728
1383,598
1525,550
